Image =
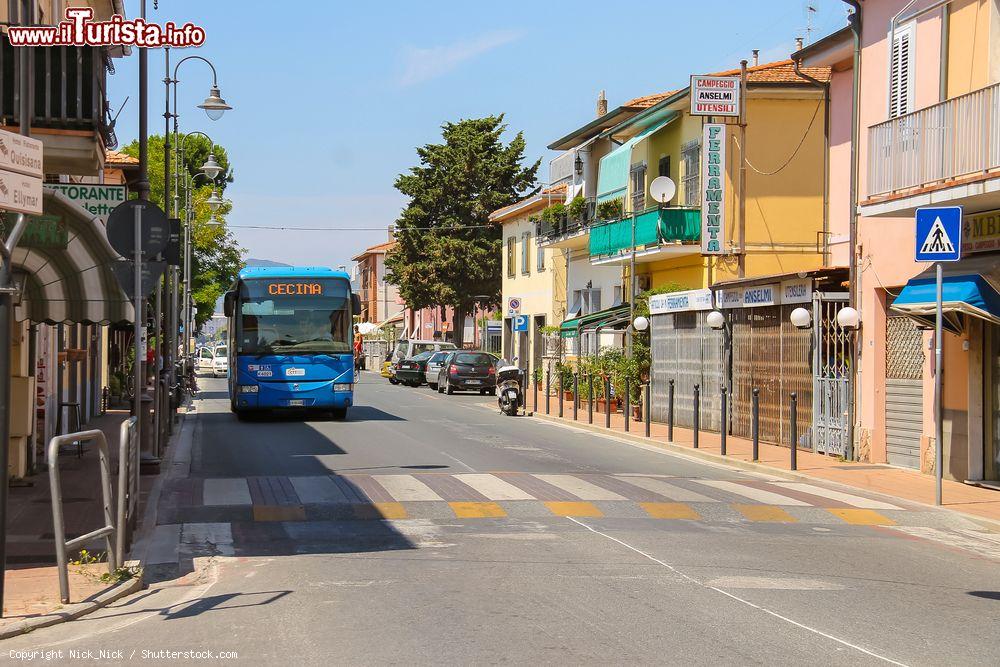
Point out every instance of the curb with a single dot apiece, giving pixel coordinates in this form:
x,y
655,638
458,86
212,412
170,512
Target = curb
x,y
74,611
760,468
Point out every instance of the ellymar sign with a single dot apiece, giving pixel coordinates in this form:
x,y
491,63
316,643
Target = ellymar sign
x,y
715,95
713,195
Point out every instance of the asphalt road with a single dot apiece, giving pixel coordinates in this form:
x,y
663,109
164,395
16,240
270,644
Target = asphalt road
x,y
432,529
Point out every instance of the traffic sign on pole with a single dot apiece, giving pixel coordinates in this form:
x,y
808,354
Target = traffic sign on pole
x,y
939,234
513,305
155,228
521,323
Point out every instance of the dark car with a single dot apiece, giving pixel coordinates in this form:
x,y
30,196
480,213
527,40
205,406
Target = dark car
x,y
468,371
412,371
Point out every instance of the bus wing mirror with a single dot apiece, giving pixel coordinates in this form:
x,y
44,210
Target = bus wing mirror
x,y
355,304
229,303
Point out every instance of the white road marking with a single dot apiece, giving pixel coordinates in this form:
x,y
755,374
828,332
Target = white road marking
x,y
217,535
406,488
849,498
318,489
493,487
580,488
667,490
226,491
673,569
752,493
982,544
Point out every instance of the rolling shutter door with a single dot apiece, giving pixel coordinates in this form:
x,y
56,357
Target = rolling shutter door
x,y
904,362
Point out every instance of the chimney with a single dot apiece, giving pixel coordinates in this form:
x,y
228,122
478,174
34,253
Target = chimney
x,y
798,43
602,104
392,232
756,57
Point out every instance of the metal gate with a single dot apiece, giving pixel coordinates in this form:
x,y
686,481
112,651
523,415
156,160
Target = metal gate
x,y
833,361
770,354
904,384
688,351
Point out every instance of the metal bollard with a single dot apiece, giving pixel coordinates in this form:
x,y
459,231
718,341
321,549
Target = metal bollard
x,y
725,424
645,410
697,413
755,423
670,411
795,432
590,401
534,389
548,389
627,411
607,402
576,395
562,392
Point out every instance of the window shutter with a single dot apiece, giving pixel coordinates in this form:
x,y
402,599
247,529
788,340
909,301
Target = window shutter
x,y
901,73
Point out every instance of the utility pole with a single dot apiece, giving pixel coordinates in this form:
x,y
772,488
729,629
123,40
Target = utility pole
x,y
742,236
142,188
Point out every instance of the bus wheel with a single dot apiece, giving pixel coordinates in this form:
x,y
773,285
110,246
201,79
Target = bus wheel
x,y
339,414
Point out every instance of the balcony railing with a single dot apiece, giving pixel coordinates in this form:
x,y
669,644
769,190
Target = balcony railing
x,y
957,137
68,88
550,230
668,225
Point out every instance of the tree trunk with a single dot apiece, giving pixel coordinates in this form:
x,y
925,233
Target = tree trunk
x,y
458,324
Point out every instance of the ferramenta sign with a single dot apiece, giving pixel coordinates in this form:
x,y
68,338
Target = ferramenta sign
x,y
713,195
715,95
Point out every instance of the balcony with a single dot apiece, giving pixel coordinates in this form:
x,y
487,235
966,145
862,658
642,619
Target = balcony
x,y
659,234
948,153
566,231
69,104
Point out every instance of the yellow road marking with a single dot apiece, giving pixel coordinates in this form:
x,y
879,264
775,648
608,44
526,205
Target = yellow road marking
x,y
861,517
768,513
670,511
477,510
380,511
561,508
279,513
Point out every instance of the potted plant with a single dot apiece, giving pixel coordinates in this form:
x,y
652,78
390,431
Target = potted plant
x,y
611,209
577,208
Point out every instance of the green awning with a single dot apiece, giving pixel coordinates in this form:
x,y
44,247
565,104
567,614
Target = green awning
x,y
571,328
667,225
612,178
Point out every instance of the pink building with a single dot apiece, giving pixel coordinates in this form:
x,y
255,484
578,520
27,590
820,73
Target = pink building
x,y
927,133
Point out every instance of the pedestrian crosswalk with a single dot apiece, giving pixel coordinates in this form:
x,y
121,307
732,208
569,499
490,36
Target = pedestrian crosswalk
x,y
519,494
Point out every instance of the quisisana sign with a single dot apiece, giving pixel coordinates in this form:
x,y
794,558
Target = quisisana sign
x,y
713,195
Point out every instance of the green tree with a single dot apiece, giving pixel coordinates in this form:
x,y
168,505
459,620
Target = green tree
x,y
447,253
216,257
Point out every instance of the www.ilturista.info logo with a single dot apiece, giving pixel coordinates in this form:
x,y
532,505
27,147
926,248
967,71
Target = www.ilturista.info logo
x,y
79,30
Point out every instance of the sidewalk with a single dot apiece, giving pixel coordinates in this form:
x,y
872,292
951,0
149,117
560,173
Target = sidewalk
x,y
898,482
31,581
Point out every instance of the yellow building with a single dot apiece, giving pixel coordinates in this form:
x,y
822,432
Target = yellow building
x,y
534,275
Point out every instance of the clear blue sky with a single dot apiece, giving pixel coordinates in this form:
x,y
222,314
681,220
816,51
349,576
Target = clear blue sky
x,y
331,102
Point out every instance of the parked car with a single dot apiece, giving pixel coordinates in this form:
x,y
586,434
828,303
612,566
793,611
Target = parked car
x,y
205,361
412,371
407,348
468,371
434,367
220,362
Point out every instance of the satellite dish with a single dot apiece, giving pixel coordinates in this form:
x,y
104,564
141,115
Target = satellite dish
x,y
662,189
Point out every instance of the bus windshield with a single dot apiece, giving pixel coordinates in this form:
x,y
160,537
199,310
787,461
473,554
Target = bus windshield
x,y
294,316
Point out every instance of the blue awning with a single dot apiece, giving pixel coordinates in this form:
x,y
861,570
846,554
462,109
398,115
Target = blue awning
x,y
612,178
971,294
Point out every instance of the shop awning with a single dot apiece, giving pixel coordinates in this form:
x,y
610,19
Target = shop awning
x,y
612,178
964,292
571,328
66,260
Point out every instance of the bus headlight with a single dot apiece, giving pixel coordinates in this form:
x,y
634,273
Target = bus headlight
x,y
343,387
248,388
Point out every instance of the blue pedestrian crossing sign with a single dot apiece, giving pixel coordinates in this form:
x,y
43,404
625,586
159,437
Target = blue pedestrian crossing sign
x,y
521,323
939,234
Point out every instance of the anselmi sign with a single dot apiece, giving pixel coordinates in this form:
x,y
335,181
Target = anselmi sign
x,y
715,95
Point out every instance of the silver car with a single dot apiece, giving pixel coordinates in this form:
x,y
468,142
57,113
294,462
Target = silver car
x,y
433,366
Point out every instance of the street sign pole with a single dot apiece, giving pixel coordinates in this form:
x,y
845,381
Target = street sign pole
x,y
938,423
139,317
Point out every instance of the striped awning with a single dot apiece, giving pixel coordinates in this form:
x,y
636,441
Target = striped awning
x,y
66,259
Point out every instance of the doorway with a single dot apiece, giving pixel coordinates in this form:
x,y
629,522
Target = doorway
x,y
991,452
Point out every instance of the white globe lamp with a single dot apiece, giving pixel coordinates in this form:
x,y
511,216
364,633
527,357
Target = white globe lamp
x,y
801,318
716,320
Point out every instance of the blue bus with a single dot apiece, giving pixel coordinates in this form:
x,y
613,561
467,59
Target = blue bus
x,y
290,340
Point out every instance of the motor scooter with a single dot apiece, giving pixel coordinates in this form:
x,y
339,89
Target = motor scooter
x,y
510,397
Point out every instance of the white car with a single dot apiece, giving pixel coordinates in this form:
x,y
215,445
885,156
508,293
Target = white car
x,y
220,363
205,361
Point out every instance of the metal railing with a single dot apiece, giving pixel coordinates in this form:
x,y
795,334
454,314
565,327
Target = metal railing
x,y
957,137
128,486
550,230
58,524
